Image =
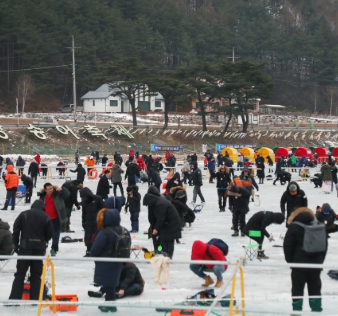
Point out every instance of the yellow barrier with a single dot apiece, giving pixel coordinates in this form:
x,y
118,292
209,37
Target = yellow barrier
x,y
232,295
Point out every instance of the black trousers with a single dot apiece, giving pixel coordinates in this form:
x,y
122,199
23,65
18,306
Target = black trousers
x,y
258,240
237,216
35,179
29,192
22,267
222,199
299,278
169,247
11,193
119,184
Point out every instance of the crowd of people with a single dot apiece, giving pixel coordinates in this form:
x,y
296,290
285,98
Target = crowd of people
x,y
168,213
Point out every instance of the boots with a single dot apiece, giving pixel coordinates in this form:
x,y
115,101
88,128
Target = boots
x,y
261,255
219,284
208,281
235,234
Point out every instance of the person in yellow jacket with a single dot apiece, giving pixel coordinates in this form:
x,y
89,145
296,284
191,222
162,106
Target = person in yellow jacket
x,y
11,183
90,163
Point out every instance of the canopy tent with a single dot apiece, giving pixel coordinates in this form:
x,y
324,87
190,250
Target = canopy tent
x,y
323,154
233,153
282,151
265,151
248,152
303,151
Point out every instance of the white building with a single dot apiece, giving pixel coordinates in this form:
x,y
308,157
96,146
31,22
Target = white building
x,y
102,100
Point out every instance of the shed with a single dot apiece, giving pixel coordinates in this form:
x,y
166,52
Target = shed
x,y
282,151
248,152
233,153
303,151
265,151
323,154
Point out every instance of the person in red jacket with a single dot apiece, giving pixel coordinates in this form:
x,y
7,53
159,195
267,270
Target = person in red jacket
x,y
205,251
140,163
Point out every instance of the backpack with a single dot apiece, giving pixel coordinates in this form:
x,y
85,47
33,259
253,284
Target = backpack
x,y
220,244
315,241
122,242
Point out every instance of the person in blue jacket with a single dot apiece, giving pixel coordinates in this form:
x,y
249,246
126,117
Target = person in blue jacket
x,y
211,167
107,274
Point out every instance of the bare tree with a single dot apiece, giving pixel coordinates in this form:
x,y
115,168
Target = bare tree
x,y
25,88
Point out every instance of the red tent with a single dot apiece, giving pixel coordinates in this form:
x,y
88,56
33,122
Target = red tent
x,y
322,154
335,152
281,151
302,151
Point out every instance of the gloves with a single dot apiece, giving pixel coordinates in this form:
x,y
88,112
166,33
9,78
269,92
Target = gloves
x,y
16,249
271,238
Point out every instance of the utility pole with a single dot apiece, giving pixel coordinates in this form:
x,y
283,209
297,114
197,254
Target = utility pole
x,y
74,81
233,58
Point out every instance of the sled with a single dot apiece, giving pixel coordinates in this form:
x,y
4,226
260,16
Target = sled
x,y
198,208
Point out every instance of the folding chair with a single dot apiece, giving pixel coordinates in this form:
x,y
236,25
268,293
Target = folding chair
x,y
20,195
251,250
3,263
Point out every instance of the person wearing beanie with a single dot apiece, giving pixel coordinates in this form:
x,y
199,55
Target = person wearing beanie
x,y
327,216
294,198
258,222
32,230
28,183
73,187
11,183
134,204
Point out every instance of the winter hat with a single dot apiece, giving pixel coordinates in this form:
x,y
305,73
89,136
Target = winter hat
x,y
179,194
326,209
38,204
278,218
91,157
292,187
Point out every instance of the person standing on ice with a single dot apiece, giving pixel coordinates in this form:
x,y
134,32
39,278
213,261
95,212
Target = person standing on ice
x,y
294,253
294,198
258,222
81,172
196,178
33,171
223,181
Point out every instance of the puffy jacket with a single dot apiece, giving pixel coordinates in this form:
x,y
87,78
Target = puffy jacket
x,y
239,199
175,181
154,176
326,172
33,169
117,174
130,275
11,179
292,201
71,200
140,163
103,187
196,175
293,240
223,179
106,273
90,162
199,252
162,215
135,201
6,243
20,162
91,205
27,181
33,229
132,170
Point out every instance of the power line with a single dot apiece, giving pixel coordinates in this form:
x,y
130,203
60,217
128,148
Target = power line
x,y
28,69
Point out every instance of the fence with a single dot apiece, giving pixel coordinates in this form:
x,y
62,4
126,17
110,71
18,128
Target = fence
x,y
239,266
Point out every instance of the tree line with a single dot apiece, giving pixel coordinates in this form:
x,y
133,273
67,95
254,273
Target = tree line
x,y
295,38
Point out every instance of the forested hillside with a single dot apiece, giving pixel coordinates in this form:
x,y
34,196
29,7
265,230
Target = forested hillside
x,y
297,39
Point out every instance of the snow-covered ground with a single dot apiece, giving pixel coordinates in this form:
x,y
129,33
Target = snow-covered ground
x,y
267,288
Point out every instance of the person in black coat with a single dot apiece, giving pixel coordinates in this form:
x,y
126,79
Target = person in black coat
x,y
33,171
279,165
132,171
164,220
107,274
32,230
326,215
294,198
20,163
334,171
91,205
131,282
223,180
103,186
317,180
196,178
188,214
239,204
1,164
293,252
28,183
258,222
73,187
81,173
104,160
260,170
175,181
155,178
270,163
134,204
